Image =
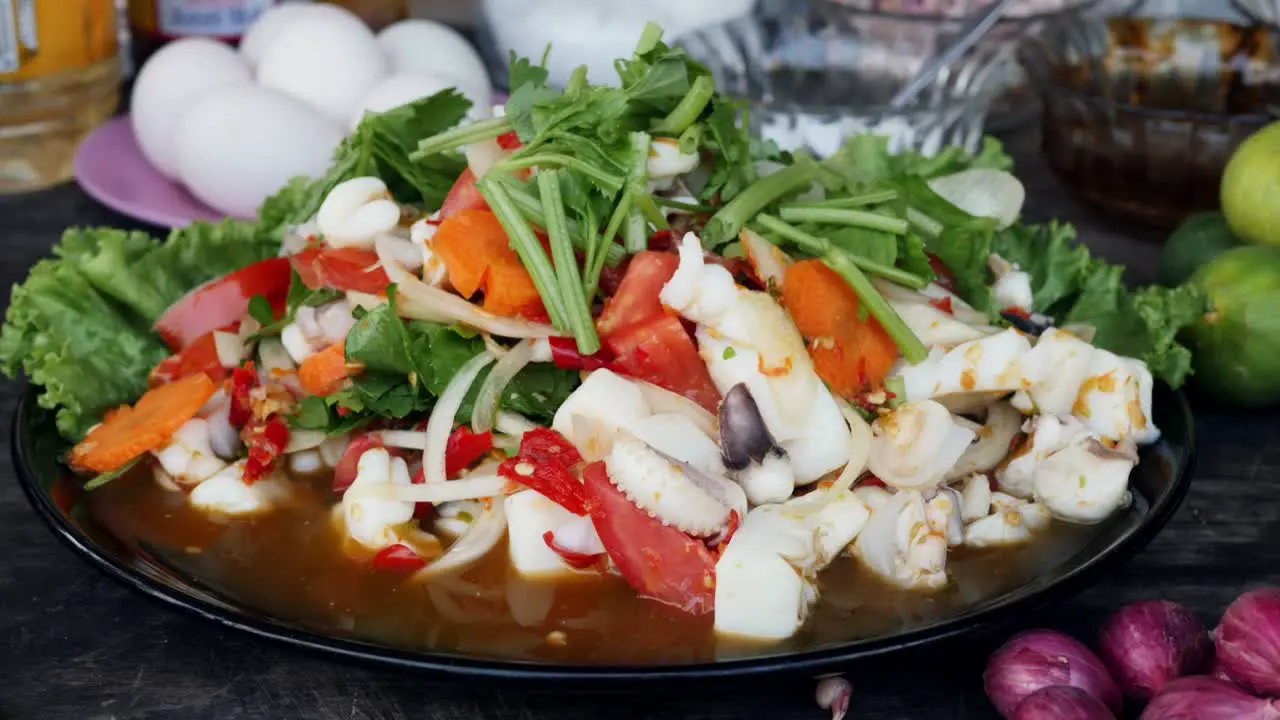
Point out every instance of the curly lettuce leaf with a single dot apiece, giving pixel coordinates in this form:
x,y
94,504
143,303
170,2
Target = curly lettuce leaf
x,y
866,158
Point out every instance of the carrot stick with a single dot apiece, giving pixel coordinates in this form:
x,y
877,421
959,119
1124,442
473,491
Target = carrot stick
x,y
127,432
325,372
850,350
478,257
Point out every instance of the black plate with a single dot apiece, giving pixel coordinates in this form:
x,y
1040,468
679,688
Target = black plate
x,y
1160,482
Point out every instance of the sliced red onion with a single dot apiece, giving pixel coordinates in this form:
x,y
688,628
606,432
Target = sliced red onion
x,y
1248,641
1147,644
504,371
440,423
1205,698
482,537
1062,702
1043,658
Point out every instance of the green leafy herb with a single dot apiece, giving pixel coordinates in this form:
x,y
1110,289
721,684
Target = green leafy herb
x,y
107,477
729,353
260,310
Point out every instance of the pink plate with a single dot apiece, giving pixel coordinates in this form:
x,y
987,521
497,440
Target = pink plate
x,y
111,168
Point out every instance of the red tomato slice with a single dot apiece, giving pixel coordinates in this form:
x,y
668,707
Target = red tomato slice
x,y
655,559
464,195
222,302
340,269
565,355
345,473
660,351
200,356
510,141
398,558
554,481
637,298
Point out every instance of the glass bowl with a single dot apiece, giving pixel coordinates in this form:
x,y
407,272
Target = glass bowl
x,y
1265,12
811,80
1142,114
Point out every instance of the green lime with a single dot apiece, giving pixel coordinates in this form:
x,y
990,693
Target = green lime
x,y
1251,188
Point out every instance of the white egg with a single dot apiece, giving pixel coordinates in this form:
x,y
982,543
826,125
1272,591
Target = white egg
x,y
324,61
238,145
178,75
399,89
272,23
431,48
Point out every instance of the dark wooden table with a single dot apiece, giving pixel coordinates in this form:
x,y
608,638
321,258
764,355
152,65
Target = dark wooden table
x,y
75,646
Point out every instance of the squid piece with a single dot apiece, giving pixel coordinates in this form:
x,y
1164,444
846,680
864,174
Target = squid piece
x,y
1046,434
975,497
1011,521
992,443
316,328
750,452
666,163
766,578
902,547
356,212
989,364
421,233
914,446
372,522
745,337
1086,481
188,458
1064,375
1012,288
225,493
678,495
530,516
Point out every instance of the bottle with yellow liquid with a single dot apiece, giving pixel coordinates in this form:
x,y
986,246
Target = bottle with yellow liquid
x,y
59,79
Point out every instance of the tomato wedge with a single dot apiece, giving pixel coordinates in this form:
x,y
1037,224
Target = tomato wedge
x,y
223,302
200,356
655,559
637,297
345,473
345,269
660,351
464,195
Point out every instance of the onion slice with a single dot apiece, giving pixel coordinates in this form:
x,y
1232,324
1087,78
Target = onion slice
x,y
509,423
230,349
662,400
507,367
475,487
440,423
397,257
485,534
406,439
483,155
420,301
300,440
1003,423
860,433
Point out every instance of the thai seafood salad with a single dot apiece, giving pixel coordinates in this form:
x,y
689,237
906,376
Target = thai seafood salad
x,y
609,332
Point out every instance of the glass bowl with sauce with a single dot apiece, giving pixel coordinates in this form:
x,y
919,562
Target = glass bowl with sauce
x,y
1142,113
811,79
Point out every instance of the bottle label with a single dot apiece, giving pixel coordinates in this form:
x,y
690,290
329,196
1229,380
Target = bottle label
x,y
215,18
39,38
9,49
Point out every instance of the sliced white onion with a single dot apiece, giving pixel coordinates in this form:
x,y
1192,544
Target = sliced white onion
x,y
485,534
474,487
983,192
407,439
295,240
860,447
332,449
490,395
368,301
483,155
510,423
506,442
578,536
662,400
273,356
397,257
419,301
440,423
248,328
495,349
229,347
300,440
992,445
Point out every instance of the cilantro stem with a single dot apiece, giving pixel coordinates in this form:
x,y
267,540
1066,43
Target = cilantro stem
x,y
851,201
821,246
634,233
107,477
577,310
605,243
922,222
690,107
526,245
649,39
635,237
691,139
455,138
684,206
531,209
730,219
845,265
554,159
577,80
845,216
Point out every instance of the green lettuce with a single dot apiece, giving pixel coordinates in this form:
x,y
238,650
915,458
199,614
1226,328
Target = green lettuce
x,y
866,158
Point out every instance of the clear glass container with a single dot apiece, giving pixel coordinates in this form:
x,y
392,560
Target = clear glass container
x,y
59,79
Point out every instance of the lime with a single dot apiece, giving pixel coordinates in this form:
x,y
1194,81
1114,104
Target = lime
x,y
1251,188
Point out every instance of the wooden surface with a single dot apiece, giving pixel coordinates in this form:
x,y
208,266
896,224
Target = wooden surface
x,y
75,646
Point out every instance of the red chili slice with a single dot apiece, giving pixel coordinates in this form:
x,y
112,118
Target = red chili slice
x,y
266,442
464,449
243,380
544,445
553,480
944,305
398,558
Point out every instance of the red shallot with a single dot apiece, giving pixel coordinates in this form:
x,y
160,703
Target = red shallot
x,y
1205,698
1145,645
1061,702
834,694
1043,658
1248,641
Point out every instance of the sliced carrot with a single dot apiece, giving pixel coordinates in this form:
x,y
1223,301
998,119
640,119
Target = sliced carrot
x,y
478,257
325,372
128,432
850,352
